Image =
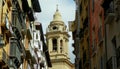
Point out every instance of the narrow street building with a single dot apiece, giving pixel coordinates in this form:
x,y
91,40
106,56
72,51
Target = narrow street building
x,y
57,40
17,49
96,26
112,33
103,38
82,18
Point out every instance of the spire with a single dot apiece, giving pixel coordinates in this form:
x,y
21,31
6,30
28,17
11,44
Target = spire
x,y
57,7
57,15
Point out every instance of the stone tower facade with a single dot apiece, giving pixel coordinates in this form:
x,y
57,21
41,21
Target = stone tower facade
x,y
57,41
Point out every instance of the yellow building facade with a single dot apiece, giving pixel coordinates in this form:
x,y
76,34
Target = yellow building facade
x,y
17,24
57,41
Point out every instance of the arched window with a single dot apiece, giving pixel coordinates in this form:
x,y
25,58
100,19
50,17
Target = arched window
x,y
61,46
61,43
54,42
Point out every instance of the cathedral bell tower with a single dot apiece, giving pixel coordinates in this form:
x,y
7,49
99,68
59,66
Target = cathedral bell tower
x,y
57,40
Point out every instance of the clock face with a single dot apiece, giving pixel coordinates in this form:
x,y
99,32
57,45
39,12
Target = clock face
x,y
55,28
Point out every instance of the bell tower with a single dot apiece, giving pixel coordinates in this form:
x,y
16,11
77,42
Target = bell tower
x,y
57,39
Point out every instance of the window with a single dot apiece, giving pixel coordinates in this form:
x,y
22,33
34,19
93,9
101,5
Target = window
x,y
80,63
101,63
84,57
109,64
114,42
93,5
100,34
54,42
61,46
118,56
80,9
36,36
3,3
61,43
94,48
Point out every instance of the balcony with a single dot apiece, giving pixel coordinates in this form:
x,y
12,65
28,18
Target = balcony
x,y
34,58
15,52
39,54
11,64
29,50
29,32
30,53
37,45
17,32
3,56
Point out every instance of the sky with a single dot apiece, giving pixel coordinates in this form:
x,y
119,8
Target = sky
x,y
67,10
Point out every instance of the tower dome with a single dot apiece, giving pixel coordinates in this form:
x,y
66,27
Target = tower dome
x,y
57,18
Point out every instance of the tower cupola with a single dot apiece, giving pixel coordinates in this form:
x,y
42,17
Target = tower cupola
x,y
57,15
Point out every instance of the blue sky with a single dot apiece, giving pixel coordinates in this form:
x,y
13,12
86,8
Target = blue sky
x,y
67,10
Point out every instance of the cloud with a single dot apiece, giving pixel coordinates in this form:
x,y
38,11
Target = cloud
x,y
48,7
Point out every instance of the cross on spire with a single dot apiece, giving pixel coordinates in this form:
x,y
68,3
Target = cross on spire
x,y
57,7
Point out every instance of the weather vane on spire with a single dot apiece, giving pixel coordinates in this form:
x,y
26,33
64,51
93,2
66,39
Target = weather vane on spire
x,y
57,7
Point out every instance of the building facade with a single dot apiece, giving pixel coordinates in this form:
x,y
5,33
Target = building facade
x,y
83,61
97,46
16,36
57,40
112,39
103,34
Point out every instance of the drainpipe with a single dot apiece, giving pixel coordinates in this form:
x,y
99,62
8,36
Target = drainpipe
x,y
77,39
